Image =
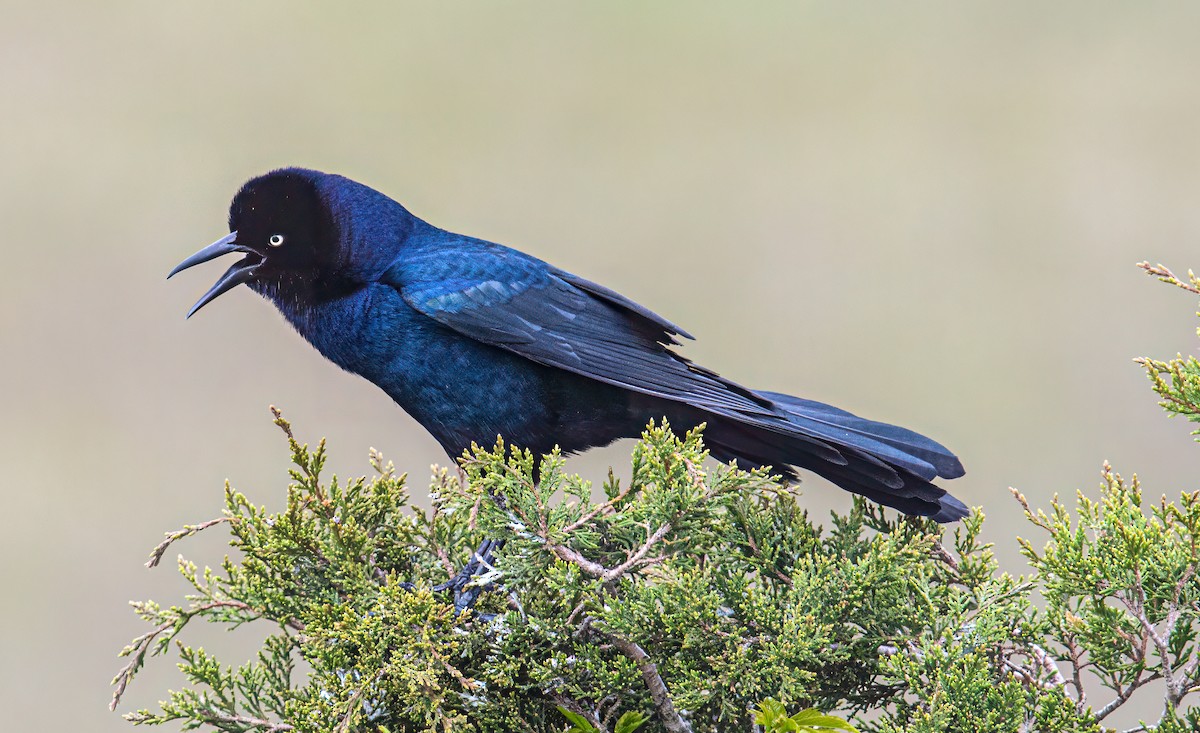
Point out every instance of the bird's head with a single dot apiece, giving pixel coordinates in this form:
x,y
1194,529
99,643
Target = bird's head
x,y
284,224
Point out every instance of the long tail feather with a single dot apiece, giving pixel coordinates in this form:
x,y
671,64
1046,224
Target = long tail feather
x,y
829,421
885,463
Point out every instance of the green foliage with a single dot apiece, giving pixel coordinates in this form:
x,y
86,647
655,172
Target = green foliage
x,y
687,597
773,718
1177,381
627,723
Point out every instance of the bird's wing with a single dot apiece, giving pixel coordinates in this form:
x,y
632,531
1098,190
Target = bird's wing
x,y
519,303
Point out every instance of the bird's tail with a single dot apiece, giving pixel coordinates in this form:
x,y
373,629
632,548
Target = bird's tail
x,y
885,463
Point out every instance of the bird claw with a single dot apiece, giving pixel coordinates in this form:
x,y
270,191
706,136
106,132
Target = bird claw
x,y
463,586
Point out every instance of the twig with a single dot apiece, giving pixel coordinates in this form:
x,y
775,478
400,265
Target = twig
x,y
940,552
1034,518
266,725
608,575
1075,654
654,682
1123,696
1138,609
1164,274
576,707
1048,664
614,705
188,530
575,612
355,700
636,558
1186,673
775,570
573,556
140,646
605,508
592,567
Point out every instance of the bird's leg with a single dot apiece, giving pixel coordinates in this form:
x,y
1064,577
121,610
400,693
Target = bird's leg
x,y
465,594
479,563
470,570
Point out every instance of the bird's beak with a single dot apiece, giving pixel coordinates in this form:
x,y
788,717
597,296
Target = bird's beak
x,y
241,271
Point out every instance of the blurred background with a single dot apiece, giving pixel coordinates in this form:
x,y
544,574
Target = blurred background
x,y
925,213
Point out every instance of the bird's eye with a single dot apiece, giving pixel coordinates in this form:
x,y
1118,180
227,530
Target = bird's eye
x,y
276,240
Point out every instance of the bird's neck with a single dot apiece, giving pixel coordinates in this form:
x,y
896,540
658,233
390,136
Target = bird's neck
x,y
328,315
298,295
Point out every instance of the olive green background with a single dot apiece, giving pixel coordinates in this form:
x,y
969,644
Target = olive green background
x,y
927,213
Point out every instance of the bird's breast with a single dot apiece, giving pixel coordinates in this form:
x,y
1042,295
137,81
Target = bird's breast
x,y
459,389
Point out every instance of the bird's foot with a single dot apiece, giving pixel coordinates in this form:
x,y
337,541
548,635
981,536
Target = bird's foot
x,y
466,586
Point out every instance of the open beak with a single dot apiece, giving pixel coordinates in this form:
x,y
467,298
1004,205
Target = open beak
x,y
241,271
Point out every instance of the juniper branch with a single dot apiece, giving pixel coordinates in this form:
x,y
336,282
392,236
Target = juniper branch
x,y
671,719
177,618
187,531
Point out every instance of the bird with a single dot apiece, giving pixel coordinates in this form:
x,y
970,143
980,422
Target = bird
x,y
476,340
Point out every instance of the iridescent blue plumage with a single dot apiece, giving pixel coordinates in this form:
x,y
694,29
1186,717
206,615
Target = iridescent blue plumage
x,y
474,340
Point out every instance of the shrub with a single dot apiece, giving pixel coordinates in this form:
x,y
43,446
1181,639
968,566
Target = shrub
x,y
691,597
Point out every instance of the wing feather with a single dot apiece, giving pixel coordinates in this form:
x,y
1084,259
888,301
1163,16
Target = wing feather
x,y
508,299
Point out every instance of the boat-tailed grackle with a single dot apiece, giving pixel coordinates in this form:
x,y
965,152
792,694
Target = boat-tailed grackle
x,y
476,340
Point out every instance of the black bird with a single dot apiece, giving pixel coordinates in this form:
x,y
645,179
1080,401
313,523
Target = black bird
x,y
475,340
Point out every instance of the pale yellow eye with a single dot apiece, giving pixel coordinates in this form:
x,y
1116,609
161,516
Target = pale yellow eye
x,y
276,240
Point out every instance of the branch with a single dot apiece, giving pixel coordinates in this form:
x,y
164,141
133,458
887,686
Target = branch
x,y
576,707
266,725
1123,695
188,530
573,556
1048,665
654,682
636,558
140,646
940,553
1164,274
774,570
605,508
1075,655
1148,631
